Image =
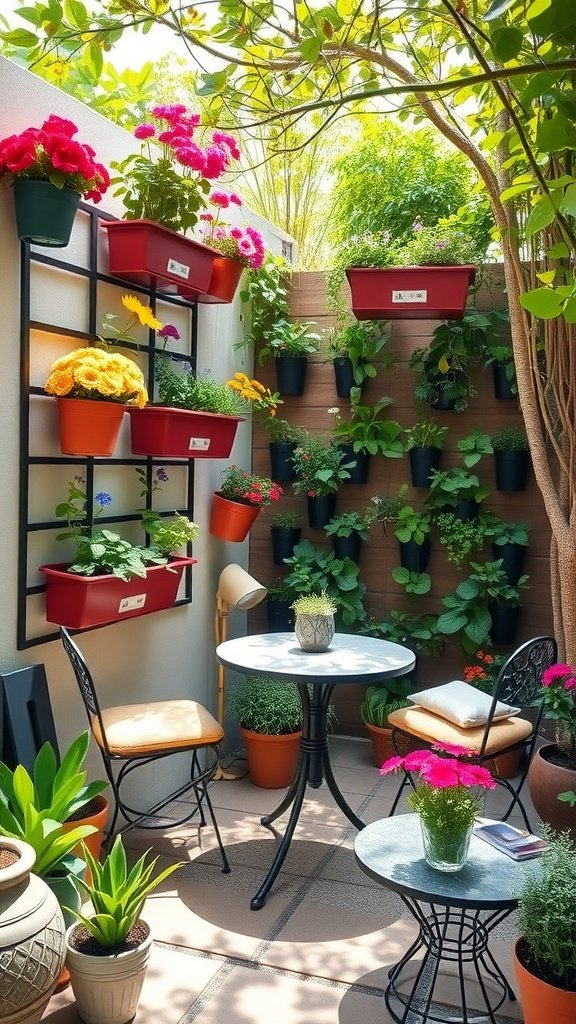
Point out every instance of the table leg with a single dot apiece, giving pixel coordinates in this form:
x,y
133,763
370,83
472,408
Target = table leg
x,y
297,789
448,935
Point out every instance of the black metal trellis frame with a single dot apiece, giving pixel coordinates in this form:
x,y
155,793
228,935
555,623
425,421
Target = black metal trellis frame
x,y
88,464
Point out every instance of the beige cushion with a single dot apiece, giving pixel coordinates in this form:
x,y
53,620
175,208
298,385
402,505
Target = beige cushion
x,y
160,725
434,729
461,704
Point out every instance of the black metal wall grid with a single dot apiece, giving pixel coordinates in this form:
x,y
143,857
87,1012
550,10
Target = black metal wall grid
x,y
28,460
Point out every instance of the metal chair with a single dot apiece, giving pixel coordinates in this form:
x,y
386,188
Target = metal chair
x,y
518,682
138,734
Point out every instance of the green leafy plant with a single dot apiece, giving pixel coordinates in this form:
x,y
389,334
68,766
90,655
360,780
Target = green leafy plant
x,y
425,434
314,604
502,532
180,388
413,582
419,632
380,700
289,338
547,912
266,705
503,355
319,465
286,520
461,538
266,295
511,439
361,343
474,446
444,366
281,431
388,506
167,535
347,523
448,487
367,431
118,894
412,525
314,570
248,488
34,808
467,615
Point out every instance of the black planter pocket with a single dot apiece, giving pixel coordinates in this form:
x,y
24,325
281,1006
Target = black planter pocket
x,y
321,509
413,556
422,462
348,547
444,404
291,374
466,509
511,470
502,386
344,375
361,464
505,619
513,556
281,453
284,539
280,616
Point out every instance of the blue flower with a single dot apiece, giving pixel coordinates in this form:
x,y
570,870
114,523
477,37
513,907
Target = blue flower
x,y
161,474
103,498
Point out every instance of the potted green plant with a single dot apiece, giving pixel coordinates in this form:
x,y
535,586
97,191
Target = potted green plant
x,y
196,417
110,579
107,950
474,446
238,501
387,506
545,953
509,543
412,530
320,468
511,458
379,701
353,348
366,433
461,538
270,715
283,442
552,771
501,358
456,490
49,171
444,366
424,443
313,570
418,632
485,605
279,612
286,530
348,530
314,626
290,342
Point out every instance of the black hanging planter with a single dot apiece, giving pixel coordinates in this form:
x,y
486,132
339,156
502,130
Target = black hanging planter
x,y
513,557
422,461
280,616
291,374
344,375
321,509
444,404
413,556
284,540
359,471
282,468
511,469
466,509
505,619
502,386
348,547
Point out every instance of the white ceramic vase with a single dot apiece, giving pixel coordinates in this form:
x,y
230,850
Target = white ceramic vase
x,y
31,938
107,988
314,632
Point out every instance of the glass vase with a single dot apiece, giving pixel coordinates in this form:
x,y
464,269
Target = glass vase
x,y
445,850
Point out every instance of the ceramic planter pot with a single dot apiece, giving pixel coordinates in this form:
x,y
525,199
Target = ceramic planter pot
x,y
423,460
231,520
291,374
281,465
546,780
31,936
284,540
321,509
153,256
95,814
89,427
224,279
272,760
511,470
413,556
107,988
44,214
410,293
79,602
182,433
541,1001
314,632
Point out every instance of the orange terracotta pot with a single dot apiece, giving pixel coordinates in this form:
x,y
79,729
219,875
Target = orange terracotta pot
x,y
88,427
272,760
546,781
231,520
540,1001
95,840
382,748
226,274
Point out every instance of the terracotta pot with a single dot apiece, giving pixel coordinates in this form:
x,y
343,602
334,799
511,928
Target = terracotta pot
x,y
231,520
94,841
272,760
151,255
540,1001
182,433
410,293
88,427
505,766
545,781
382,749
226,274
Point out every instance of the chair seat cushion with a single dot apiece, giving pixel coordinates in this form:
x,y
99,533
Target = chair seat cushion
x,y
433,729
461,704
159,725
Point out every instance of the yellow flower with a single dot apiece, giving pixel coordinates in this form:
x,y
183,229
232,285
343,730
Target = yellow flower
x,y
93,372
87,377
259,387
144,313
60,382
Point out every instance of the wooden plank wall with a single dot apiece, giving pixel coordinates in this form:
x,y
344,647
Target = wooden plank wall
x,y
380,556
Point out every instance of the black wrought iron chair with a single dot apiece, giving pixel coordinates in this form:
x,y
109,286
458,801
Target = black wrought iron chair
x,y
518,683
135,735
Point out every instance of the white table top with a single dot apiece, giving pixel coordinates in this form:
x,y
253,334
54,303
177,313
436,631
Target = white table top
x,y
350,658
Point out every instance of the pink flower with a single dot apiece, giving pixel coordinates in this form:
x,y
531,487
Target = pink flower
x,y
440,772
476,775
215,162
311,494
236,233
223,139
570,683
191,156
61,126
391,765
144,131
206,216
169,111
454,749
219,198
235,198
169,331
19,155
555,672
413,762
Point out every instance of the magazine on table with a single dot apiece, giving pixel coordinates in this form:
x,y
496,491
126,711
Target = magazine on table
x,y
514,842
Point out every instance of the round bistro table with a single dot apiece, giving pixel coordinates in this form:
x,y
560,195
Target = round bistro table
x,y
349,659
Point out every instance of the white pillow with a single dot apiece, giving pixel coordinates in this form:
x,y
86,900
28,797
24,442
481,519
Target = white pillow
x,y
461,703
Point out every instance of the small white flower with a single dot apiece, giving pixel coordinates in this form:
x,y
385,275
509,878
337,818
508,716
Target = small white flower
x,y
333,411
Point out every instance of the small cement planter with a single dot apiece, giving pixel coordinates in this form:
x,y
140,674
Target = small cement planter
x,y
314,632
107,988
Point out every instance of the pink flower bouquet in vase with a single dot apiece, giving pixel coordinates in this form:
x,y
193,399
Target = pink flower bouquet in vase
x,y
447,797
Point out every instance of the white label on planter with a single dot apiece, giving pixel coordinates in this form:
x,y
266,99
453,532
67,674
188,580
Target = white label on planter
x,y
199,444
421,296
130,604
179,269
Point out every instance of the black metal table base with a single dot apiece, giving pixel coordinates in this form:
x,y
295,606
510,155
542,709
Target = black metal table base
x,y
313,768
459,937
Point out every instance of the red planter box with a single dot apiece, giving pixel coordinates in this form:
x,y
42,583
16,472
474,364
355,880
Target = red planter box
x,y
83,601
226,274
149,254
182,434
410,293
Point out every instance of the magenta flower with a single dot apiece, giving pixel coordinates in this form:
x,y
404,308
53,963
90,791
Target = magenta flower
x,y
169,331
413,762
235,198
144,131
393,762
555,672
440,772
476,775
454,749
219,198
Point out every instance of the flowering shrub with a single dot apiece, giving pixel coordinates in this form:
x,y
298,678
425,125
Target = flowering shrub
x,y
483,672
243,244
169,181
247,488
51,153
442,796
559,682
318,465
261,398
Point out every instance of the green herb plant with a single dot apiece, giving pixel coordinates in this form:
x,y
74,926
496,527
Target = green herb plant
x,y
412,525
265,295
319,465
511,439
183,389
313,571
448,487
381,699
367,431
474,446
467,614
267,706
444,366
388,506
361,343
460,538
502,532
503,355
286,521
416,583
425,434
419,632
314,604
289,338
167,535
347,523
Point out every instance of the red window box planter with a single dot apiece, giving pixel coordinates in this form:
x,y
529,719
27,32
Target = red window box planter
x,y
149,254
182,433
410,293
226,274
83,601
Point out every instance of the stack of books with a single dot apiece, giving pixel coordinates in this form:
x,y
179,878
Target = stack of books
x,y
514,842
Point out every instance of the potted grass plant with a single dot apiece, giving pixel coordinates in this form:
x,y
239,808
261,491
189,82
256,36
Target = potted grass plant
x,y
270,716
424,443
511,458
314,626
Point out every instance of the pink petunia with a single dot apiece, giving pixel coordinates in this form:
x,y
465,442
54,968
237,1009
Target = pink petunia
x,y
570,683
215,162
59,125
144,131
556,672
223,139
391,765
19,155
235,198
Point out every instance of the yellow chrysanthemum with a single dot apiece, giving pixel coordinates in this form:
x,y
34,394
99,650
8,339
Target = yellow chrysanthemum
x,y
88,377
111,384
60,382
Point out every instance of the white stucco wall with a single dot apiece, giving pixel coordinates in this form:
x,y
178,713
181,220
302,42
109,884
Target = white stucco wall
x,y
163,655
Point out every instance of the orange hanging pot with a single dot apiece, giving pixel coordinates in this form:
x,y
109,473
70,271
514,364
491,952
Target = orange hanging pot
x,y
226,274
89,427
231,520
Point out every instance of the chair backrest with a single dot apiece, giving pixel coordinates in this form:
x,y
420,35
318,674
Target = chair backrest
x,y
85,684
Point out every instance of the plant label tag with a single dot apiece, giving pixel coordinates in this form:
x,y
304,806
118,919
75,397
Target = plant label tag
x,y
131,604
178,269
419,296
199,444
